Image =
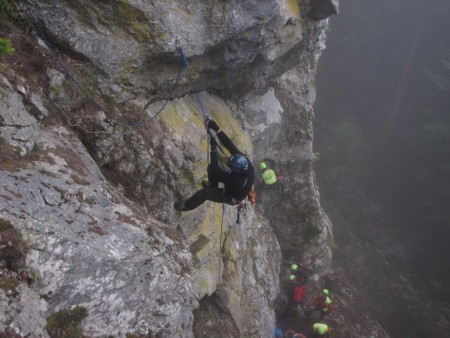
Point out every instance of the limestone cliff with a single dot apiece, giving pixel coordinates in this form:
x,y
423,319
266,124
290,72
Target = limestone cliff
x,y
89,200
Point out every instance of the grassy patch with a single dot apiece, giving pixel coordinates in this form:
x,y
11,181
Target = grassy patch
x,y
56,89
65,323
6,47
110,101
6,9
4,225
10,284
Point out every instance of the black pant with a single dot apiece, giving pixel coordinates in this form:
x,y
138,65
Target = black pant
x,y
211,193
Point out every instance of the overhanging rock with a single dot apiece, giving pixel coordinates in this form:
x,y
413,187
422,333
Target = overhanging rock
x,y
323,9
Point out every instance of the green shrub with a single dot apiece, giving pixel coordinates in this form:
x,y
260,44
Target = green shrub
x,y
6,47
56,89
8,283
6,6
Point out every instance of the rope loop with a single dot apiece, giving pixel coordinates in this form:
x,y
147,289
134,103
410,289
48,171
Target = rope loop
x,y
119,120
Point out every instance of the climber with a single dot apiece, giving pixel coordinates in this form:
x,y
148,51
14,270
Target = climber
x,y
299,271
238,178
320,330
322,303
297,291
268,175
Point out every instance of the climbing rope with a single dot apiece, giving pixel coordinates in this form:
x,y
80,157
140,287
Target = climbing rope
x,y
205,115
219,281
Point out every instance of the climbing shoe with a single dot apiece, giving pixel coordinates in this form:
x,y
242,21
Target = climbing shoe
x,y
206,184
178,206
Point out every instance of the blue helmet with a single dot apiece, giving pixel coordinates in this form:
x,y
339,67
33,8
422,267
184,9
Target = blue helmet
x,y
238,163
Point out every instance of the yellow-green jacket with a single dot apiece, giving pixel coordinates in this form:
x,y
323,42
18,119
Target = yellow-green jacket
x,y
269,176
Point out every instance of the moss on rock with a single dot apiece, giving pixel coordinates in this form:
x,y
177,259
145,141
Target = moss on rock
x,y
4,225
9,284
293,7
65,323
199,244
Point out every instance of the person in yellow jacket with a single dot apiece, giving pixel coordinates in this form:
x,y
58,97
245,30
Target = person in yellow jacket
x,y
320,330
267,174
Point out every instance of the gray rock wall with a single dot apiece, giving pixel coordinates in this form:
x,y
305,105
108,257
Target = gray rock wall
x,y
91,247
280,124
95,207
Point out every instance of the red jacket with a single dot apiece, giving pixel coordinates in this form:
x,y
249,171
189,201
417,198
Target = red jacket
x,y
298,293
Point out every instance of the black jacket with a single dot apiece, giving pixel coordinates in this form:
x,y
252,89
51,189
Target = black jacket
x,y
236,186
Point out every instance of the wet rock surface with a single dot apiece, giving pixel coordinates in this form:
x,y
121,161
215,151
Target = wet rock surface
x,y
93,199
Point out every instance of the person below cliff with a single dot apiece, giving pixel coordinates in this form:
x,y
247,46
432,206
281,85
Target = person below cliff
x,y
297,292
300,273
322,303
238,178
268,175
320,330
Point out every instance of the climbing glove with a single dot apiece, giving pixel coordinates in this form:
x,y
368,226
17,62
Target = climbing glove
x,y
211,124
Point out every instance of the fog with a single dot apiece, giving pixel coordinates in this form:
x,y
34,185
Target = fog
x,y
382,132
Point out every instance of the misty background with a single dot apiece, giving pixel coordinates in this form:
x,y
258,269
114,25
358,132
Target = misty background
x,y
382,135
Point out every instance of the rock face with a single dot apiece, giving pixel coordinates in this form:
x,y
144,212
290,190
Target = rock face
x,y
280,123
94,203
92,248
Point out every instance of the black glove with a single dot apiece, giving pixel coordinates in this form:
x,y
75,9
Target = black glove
x,y
211,124
213,143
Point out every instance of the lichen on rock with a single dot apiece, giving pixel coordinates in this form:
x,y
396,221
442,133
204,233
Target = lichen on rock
x,y
94,202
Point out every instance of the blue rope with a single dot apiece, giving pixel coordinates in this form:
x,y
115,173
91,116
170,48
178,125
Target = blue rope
x,y
195,90
49,45
205,115
194,87
120,120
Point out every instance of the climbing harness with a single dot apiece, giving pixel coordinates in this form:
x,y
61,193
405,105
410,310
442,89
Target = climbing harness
x,y
119,120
